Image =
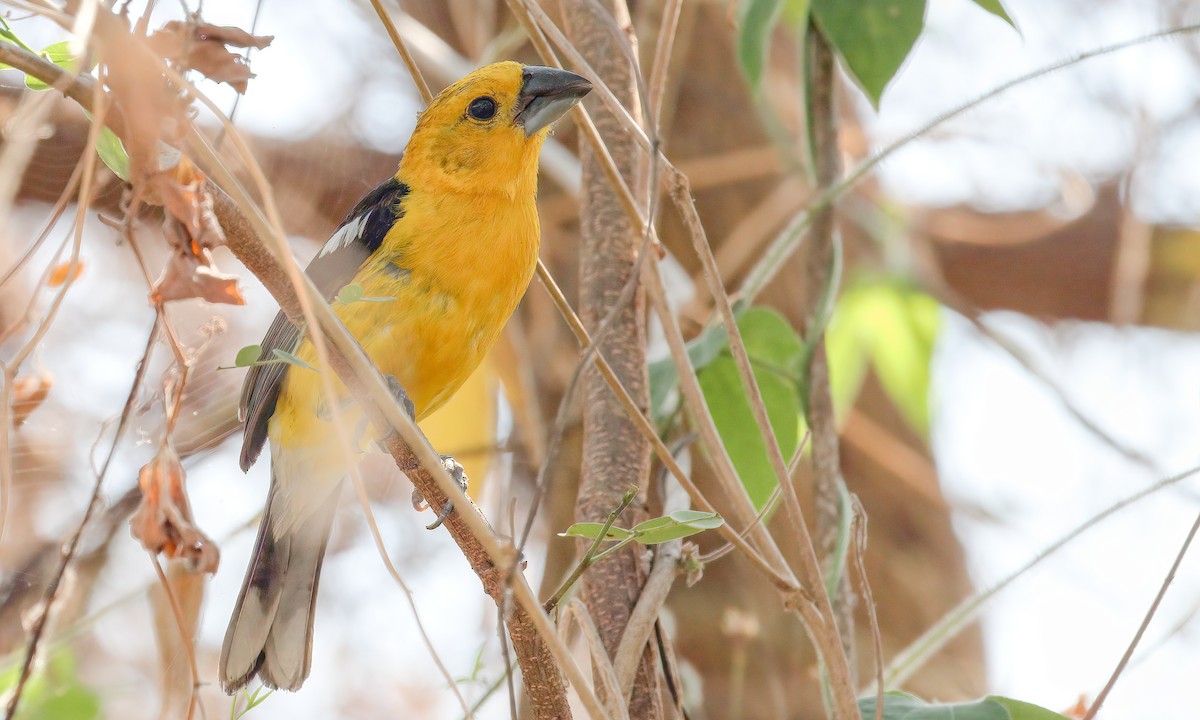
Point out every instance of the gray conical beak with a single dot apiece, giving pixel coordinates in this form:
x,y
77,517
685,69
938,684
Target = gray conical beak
x,y
546,95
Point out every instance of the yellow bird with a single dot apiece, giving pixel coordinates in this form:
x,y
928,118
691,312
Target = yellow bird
x,y
443,252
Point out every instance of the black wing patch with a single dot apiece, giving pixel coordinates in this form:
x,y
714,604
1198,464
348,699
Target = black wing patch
x,y
359,235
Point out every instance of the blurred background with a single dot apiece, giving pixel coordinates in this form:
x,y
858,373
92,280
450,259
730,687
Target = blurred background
x,y
1054,225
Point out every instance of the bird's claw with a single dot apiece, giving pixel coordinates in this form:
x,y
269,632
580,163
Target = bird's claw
x,y
456,471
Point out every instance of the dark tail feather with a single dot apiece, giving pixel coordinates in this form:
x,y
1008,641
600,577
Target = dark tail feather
x,y
270,632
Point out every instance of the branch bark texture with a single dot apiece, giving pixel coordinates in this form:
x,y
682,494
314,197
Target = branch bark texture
x,y
615,455
820,280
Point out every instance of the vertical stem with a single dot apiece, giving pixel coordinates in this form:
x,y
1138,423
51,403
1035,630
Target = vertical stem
x,y
615,455
820,268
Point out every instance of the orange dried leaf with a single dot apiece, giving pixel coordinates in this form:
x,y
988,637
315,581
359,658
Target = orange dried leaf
x,y
28,393
63,272
1079,710
191,275
163,522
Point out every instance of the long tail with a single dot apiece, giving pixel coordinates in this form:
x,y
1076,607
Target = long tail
x,y
271,630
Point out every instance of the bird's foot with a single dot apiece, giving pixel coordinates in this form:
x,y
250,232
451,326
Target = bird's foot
x,y
456,471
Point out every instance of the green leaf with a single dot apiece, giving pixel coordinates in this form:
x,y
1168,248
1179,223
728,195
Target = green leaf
x,y
76,702
775,352
795,13
893,327
769,338
679,524
1018,710
592,531
902,706
354,293
6,33
112,152
755,19
54,691
846,355
873,37
291,359
663,379
248,356
996,7
60,54
349,294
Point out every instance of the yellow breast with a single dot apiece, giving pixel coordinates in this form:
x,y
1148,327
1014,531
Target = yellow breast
x,y
438,293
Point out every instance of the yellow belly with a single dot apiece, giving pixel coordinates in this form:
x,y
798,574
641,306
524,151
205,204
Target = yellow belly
x,y
428,335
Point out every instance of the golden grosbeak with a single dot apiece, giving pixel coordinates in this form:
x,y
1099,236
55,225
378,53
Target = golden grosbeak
x,y
444,250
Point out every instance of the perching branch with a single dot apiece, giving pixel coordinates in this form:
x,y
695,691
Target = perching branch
x,y
540,651
821,278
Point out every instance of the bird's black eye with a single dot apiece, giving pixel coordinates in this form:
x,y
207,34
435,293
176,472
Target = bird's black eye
x,y
482,108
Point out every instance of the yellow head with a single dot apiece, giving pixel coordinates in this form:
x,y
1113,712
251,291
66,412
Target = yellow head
x,y
482,134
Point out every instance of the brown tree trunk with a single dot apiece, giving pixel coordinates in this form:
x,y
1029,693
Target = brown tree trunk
x,y
615,455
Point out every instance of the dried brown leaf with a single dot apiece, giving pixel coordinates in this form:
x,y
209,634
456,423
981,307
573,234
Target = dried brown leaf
x,y
203,47
28,393
192,230
1079,710
190,273
232,36
163,522
151,109
182,192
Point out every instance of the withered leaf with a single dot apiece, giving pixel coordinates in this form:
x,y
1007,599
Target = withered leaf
x,y
230,35
190,273
163,522
203,47
192,230
183,194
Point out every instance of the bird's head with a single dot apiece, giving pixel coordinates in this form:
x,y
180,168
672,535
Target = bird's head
x,y
483,133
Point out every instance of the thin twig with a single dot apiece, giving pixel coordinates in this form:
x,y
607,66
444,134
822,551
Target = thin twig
x,y
381,548
789,238
644,616
777,577
68,551
576,613
1137,637
402,48
909,660
184,636
859,548
589,556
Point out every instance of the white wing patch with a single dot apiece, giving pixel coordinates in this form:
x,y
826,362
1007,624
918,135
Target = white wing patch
x,y
345,236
